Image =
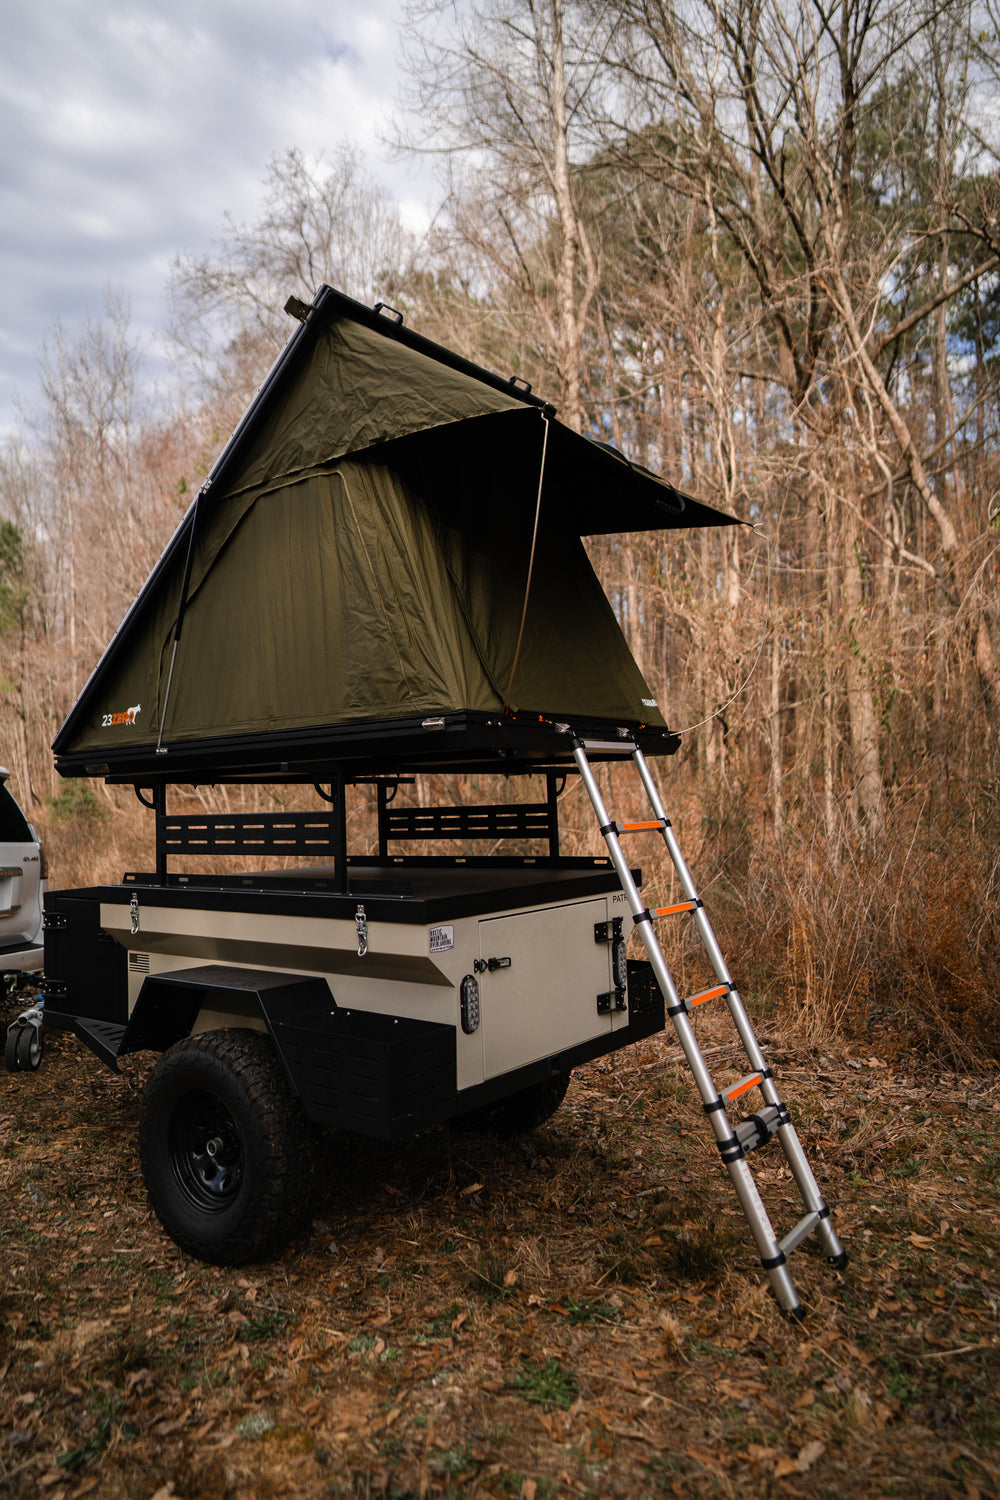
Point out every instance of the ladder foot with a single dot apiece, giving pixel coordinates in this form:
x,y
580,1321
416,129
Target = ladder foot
x,y
795,1314
838,1262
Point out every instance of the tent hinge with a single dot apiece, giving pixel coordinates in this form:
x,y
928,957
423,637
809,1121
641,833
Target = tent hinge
x,y
296,308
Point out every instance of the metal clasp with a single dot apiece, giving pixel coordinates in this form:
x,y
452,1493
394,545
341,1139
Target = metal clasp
x,y
133,911
361,923
484,965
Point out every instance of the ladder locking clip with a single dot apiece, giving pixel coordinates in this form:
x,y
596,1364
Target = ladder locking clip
x,y
731,1150
612,1000
481,965
758,1129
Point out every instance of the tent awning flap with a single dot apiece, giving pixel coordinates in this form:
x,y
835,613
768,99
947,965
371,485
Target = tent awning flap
x,y
360,390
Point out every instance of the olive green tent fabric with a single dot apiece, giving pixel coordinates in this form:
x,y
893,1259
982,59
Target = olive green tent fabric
x,y
359,390
365,556
346,595
327,604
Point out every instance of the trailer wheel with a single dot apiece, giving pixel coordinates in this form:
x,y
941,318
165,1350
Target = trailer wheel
x,y
522,1111
29,1048
226,1149
23,1048
10,1049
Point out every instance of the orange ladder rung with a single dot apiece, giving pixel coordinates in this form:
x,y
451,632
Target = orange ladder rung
x,y
686,1006
720,989
639,827
668,911
751,1080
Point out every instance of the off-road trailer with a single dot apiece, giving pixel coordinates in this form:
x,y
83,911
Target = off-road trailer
x,y
394,992
381,579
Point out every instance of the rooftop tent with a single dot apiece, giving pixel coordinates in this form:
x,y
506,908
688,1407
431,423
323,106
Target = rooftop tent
x,y
351,583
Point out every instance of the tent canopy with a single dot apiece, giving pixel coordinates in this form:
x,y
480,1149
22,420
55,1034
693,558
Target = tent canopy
x,y
352,581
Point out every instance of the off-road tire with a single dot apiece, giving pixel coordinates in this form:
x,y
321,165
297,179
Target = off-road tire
x,y
226,1149
519,1112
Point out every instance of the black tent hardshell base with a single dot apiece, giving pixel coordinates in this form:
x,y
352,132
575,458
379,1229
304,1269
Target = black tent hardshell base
x,y
474,743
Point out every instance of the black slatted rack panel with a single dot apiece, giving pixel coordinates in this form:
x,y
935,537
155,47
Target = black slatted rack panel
x,y
249,833
501,820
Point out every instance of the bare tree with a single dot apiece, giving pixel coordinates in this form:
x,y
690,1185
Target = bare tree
x,y
321,221
789,123
503,90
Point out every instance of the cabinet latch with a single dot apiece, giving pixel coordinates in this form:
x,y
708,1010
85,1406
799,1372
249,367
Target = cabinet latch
x,y
361,925
492,964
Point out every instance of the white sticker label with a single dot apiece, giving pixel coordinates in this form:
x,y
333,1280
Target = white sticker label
x,y
442,938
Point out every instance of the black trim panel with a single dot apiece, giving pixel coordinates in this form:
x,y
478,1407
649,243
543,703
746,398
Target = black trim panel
x,y
467,741
453,892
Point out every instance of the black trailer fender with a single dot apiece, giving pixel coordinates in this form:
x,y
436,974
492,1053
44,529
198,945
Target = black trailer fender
x,y
168,1005
380,1075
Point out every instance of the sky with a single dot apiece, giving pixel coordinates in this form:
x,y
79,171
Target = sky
x,y
130,128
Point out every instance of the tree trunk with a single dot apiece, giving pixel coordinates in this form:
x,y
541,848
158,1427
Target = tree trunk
x,y
868,795
566,269
777,789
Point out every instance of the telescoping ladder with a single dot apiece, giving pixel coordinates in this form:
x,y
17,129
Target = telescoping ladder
x,y
734,1142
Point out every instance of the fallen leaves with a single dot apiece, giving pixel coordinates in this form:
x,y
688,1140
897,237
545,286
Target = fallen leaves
x,y
599,1349
803,1461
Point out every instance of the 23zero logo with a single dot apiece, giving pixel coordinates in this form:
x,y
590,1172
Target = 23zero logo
x,y
127,716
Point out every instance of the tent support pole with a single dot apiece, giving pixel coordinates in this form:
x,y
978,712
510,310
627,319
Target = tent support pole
x,y
160,804
383,818
531,560
552,793
338,789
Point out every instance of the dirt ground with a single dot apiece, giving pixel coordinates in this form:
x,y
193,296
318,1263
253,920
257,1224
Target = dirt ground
x,y
579,1312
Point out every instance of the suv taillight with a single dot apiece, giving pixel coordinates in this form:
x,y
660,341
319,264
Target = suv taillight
x,y
43,865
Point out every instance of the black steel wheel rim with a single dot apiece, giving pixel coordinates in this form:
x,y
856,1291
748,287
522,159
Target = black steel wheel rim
x,y
206,1151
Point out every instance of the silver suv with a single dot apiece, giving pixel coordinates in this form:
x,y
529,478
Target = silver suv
x,y
22,887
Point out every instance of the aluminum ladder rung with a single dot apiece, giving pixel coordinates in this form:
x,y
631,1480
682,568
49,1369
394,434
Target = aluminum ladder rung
x,y
794,1237
609,747
734,1143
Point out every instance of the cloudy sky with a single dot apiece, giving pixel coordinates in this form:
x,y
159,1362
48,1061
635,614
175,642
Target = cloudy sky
x,y
129,128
